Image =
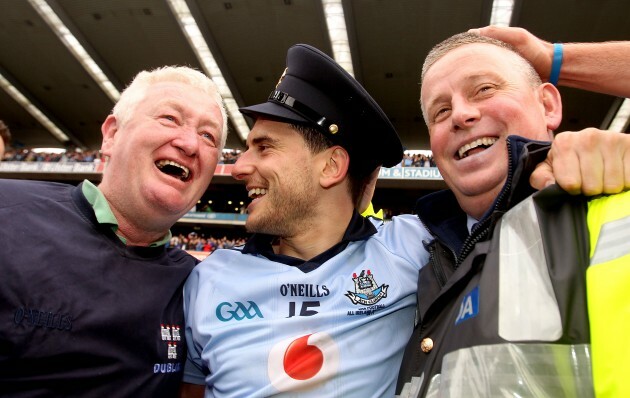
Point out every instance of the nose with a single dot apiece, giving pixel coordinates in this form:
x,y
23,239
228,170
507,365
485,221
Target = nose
x,y
244,166
464,114
187,141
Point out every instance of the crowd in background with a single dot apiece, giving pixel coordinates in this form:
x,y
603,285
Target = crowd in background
x,y
199,242
410,159
417,160
29,155
74,155
228,157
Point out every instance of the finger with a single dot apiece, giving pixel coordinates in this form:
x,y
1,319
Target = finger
x,y
612,164
494,32
591,166
565,165
624,156
542,176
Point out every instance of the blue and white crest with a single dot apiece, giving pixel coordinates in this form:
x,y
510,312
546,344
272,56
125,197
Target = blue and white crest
x,y
366,290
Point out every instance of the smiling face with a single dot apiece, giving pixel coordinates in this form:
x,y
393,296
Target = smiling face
x,y
163,157
277,169
473,98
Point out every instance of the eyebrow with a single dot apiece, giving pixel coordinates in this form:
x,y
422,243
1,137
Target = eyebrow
x,y
429,104
180,108
470,79
264,139
169,102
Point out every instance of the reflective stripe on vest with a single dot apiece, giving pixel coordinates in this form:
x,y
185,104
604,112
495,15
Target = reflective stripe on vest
x,y
528,309
515,370
411,389
608,289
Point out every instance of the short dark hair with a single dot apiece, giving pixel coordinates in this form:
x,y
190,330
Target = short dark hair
x,y
5,133
318,142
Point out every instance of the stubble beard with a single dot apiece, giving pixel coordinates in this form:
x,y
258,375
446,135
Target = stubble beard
x,y
288,211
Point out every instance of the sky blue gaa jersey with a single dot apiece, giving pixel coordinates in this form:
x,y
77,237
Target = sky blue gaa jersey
x,y
259,328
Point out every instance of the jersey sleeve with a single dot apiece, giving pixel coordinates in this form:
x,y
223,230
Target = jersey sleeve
x,y
194,368
404,236
193,373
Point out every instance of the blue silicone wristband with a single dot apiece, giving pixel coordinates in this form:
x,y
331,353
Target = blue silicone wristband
x,y
556,64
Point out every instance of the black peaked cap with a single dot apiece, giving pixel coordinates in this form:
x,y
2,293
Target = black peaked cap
x,y
314,90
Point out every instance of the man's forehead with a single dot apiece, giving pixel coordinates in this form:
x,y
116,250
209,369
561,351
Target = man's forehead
x,y
472,61
177,92
475,52
179,97
268,129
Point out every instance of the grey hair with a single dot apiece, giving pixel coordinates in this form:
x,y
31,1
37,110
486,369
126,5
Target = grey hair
x,y
135,91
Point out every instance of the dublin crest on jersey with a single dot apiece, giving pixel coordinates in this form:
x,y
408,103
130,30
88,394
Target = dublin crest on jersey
x,y
366,290
171,335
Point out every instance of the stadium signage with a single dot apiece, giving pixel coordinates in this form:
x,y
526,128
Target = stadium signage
x,y
393,173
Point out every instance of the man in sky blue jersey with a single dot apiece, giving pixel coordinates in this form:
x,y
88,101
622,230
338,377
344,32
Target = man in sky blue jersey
x,y
320,300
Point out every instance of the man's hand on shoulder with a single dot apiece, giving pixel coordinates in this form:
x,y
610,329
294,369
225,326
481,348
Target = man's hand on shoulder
x,y
538,52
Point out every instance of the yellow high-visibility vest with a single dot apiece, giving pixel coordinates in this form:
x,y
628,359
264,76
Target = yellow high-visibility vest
x,y
608,292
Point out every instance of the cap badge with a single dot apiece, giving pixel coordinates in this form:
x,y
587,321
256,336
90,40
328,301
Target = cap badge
x,y
282,77
333,128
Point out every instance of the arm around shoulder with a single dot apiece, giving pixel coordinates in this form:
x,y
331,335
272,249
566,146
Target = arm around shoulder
x,y
600,67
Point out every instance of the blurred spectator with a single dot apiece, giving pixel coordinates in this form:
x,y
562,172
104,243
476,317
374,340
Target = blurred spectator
x,y
199,242
227,157
417,160
5,133
205,209
30,155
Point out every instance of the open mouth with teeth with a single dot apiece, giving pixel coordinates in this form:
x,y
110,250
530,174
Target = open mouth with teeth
x,y
256,193
481,144
174,169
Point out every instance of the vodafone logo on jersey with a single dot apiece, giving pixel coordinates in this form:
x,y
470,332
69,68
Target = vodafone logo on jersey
x,y
301,363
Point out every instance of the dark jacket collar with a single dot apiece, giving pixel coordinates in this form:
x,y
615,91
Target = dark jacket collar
x,y
359,228
444,218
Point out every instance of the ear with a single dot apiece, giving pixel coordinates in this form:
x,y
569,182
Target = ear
x,y
336,163
552,103
109,130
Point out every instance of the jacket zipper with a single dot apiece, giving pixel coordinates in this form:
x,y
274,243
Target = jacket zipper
x,y
483,228
435,262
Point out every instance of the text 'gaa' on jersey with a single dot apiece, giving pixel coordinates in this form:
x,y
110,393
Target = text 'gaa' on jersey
x,y
302,363
237,311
